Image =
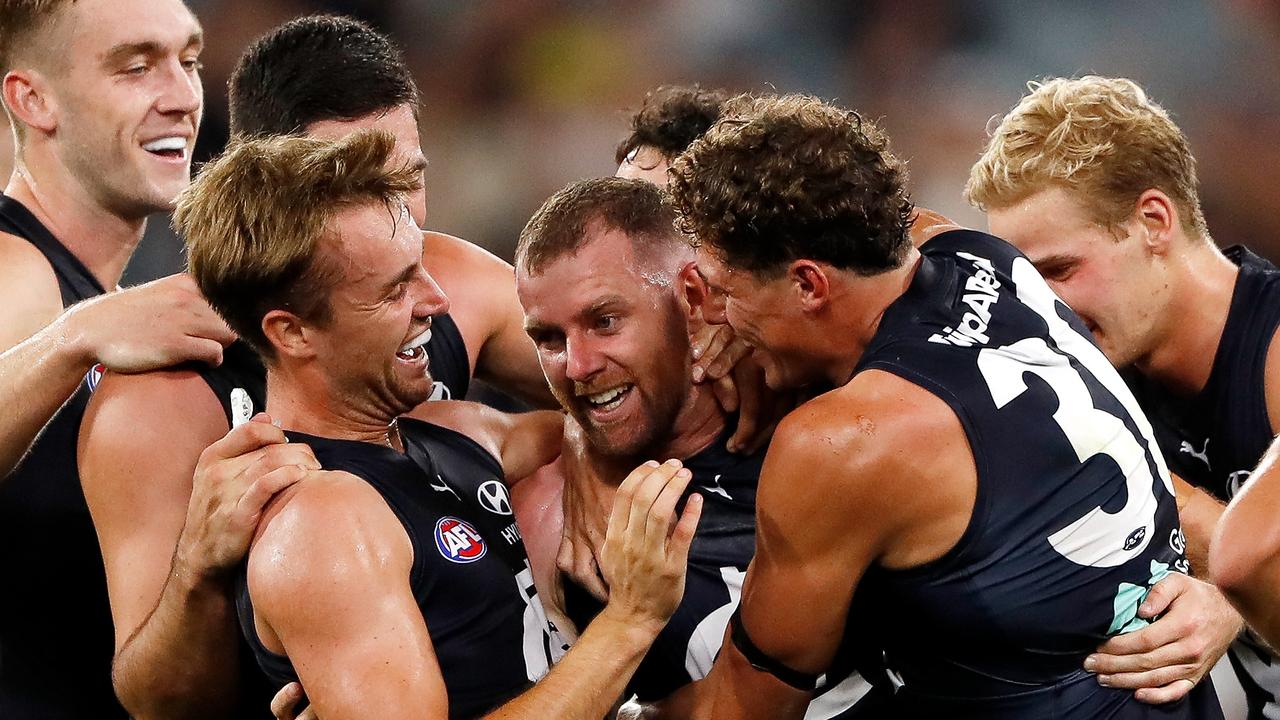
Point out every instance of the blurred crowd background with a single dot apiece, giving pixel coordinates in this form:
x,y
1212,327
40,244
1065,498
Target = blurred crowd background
x,y
523,96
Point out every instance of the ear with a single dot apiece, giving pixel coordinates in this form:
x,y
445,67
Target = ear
x,y
1157,215
287,333
812,284
693,291
26,94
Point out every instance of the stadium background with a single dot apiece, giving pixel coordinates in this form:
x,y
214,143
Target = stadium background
x,y
523,96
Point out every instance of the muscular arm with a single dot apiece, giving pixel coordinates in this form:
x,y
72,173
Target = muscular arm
x,y
151,326
1244,559
1199,512
139,444
168,555
482,290
328,575
34,355
812,547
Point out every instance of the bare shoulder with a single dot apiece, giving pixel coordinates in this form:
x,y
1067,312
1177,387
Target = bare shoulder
x,y
455,263
850,448
29,295
329,527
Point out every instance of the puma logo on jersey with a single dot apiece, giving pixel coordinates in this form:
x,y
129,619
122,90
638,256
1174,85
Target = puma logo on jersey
x,y
440,391
1202,456
717,489
458,541
442,487
980,294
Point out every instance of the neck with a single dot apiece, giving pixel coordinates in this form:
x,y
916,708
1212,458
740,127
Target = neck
x,y
101,239
306,403
845,327
1204,281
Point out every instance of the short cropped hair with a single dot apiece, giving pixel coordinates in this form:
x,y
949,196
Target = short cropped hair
x,y
1101,138
781,178
637,208
255,217
19,19
316,68
671,118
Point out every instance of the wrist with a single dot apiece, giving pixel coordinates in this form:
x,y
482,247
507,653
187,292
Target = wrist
x,y
195,575
68,332
635,631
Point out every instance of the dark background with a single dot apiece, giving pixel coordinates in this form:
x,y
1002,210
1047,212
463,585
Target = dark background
x,y
523,96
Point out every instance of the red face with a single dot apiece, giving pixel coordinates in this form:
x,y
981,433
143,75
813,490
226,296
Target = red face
x,y
1106,276
374,347
613,342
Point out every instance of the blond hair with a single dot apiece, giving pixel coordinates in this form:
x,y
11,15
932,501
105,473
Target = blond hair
x,y
1101,138
255,217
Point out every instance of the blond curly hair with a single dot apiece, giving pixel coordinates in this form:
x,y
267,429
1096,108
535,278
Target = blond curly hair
x,y
1101,138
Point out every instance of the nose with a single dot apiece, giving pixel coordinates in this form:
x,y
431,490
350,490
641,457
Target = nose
x,y
183,93
582,358
431,299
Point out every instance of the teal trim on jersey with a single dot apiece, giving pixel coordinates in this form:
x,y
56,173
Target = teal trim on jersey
x,y
1129,597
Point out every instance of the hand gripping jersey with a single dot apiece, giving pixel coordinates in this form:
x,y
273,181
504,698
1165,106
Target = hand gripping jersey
x,y
722,549
1074,519
470,573
1214,439
55,621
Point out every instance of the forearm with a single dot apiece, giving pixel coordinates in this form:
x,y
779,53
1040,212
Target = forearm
x,y
36,378
591,678
1259,601
182,661
1199,512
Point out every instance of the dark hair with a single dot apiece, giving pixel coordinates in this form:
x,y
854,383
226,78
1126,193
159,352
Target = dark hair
x,y
790,177
671,118
319,67
637,208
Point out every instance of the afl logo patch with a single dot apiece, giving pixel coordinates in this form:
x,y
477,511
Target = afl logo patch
x,y
458,541
94,376
493,497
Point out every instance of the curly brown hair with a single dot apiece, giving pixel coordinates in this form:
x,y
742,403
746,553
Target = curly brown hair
x,y
780,178
671,118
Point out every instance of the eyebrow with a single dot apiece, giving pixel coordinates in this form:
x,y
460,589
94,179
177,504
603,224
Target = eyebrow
x,y
150,48
404,276
1052,260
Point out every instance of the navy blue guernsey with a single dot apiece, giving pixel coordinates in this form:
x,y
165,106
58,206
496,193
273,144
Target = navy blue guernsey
x,y
1215,438
470,572
1074,518
722,549
55,622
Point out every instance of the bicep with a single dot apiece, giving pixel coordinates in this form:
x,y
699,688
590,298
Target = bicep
x,y
332,588
1271,382
29,295
136,471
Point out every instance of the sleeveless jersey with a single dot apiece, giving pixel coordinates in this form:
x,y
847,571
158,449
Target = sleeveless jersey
x,y
1215,438
1074,518
55,623
470,572
722,549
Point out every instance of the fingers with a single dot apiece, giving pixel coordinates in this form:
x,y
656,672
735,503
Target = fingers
x,y
243,440
1163,594
708,353
621,512
682,538
578,562
721,364
266,487
1164,631
745,436
282,705
1167,693
646,494
661,515
726,392
1160,677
